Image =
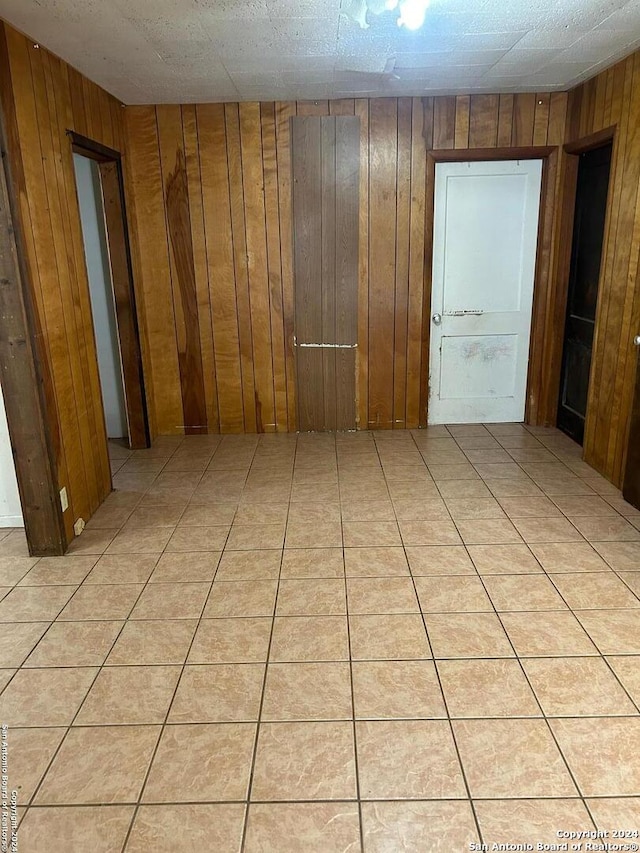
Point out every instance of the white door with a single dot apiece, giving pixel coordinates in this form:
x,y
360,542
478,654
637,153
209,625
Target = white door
x,y
484,256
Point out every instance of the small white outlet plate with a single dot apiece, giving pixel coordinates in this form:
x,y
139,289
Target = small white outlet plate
x,y
64,500
79,526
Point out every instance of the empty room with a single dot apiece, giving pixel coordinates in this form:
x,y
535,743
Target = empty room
x,y
319,426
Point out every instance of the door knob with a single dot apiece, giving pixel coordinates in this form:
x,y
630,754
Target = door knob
x,y
636,341
437,319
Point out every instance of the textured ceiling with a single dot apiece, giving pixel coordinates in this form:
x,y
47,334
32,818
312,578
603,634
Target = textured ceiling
x,y
168,51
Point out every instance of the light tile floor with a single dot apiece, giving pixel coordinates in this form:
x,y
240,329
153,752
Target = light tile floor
x,y
406,641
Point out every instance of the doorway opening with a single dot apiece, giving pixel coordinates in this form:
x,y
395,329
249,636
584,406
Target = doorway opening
x,y
592,188
102,213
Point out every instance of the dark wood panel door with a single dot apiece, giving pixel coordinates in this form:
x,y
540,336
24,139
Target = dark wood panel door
x,y
586,254
325,163
631,484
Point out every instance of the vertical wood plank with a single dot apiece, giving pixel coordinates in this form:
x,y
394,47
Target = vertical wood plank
x,y
328,237
483,121
220,263
417,226
383,119
505,120
444,125
523,119
541,118
463,108
402,239
362,376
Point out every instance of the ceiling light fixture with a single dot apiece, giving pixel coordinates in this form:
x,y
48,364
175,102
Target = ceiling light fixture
x,y
411,15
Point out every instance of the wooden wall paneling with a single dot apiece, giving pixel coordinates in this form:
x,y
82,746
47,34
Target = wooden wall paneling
x,y
347,226
605,339
557,118
416,257
362,360
313,108
328,236
402,239
541,118
462,126
182,267
150,232
254,212
284,112
444,125
306,164
199,247
96,454
505,120
383,149
483,121
342,107
627,247
31,273
25,398
45,212
220,260
77,101
243,300
599,101
523,118
274,263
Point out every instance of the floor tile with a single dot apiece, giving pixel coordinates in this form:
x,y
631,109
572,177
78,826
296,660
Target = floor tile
x,y
171,601
129,695
523,592
486,688
101,602
627,668
34,603
429,533
45,697
245,537
547,634
617,739
431,509
319,534
241,598
381,595
203,515
59,570
462,635
504,560
29,754
75,644
522,821
532,507
305,761
621,556
103,764
236,640
368,511
576,687
122,569
408,759
391,637
150,642
17,639
375,562
191,566
12,569
615,632
199,763
313,597
439,560
199,826
594,591
396,690
312,827
313,563
615,812
418,827
607,529
140,540
558,557
307,691
474,508
309,638
452,594
511,758
218,693
249,565
488,532
366,534
547,530
101,829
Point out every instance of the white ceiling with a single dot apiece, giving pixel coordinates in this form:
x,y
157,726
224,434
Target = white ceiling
x,y
170,51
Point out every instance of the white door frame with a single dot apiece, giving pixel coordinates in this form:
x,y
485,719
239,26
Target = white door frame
x,y
549,156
